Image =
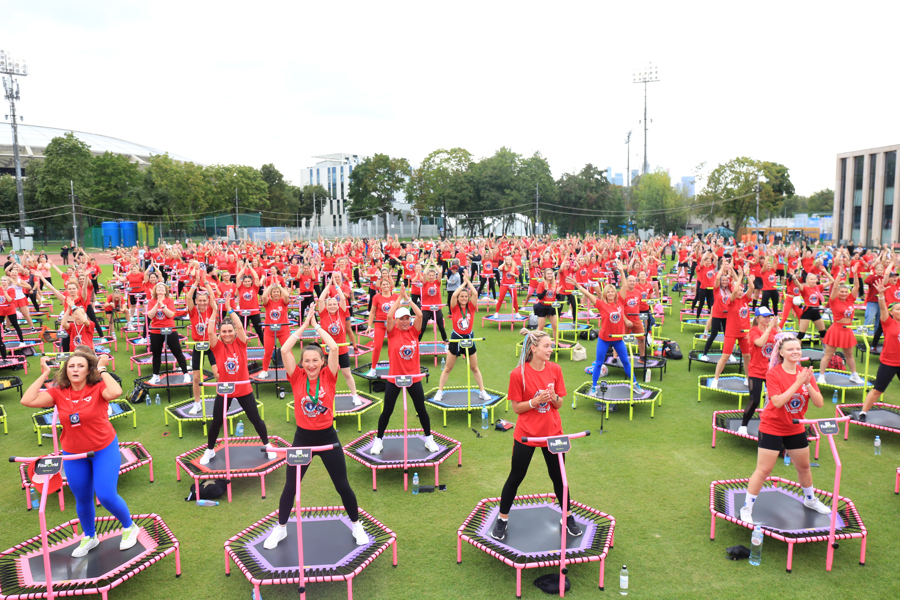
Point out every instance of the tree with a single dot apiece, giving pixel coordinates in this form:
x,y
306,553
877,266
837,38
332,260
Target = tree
x,y
437,184
312,199
282,196
587,198
535,179
821,202
731,189
113,179
244,182
659,206
374,184
66,159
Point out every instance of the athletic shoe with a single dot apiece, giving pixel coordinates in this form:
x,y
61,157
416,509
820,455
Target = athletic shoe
x,y
187,378
747,514
593,391
638,359
279,532
638,389
862,417
496,315
87,544
571,526
820,380
263,374
712,383
732,358
377,446
430,444
855,378
271,455
196,409
359,534
438,396
499,531
207,456
484,396
746,382
743,430
154,380
109,410
816,505
357,401
702,357
129,537
371,373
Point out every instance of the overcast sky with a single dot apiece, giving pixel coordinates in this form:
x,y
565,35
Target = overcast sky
x,y
265,82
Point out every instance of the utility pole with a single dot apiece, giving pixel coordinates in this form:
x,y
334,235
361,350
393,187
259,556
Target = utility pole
x,y
537,206
14,67
628,168
235,213
646,75
74,222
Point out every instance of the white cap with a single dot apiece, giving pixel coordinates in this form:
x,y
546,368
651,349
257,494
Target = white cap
x,y
402,312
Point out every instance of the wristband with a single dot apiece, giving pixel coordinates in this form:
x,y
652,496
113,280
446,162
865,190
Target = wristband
x,y
530,404
102,369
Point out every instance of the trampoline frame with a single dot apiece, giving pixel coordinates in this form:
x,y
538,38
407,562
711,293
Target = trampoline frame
x,y
375,401
361,372
41,428
580,391
561,346
468,532
840,411
513,320
3,419
694,355
445,408
169,411
450,446
740,395
811,434
868,382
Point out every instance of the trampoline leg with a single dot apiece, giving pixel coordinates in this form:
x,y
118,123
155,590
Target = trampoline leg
x,y
602,568
374,482
790,556
862,552
262,485
177,472
896,484
458,550
358,423
177,561
459,455
350,589
62,500
227,564
436,472
395,550
817,448
445,417
846,430
712,528
518,583
714,438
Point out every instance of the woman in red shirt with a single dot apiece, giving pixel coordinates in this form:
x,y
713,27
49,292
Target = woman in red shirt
x,y
890,353
8,306
769,288
613,324
790,387
431,304
381,304
81,396
161,310
403,354
536,390
737,325
247,296
720,301
78,328
201,307
275,307
463,306
547,296
840,335
332,314
313,382
230,350
762,343
509,275
813,296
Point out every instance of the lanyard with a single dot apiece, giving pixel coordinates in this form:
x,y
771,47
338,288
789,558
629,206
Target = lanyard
x,y
308,393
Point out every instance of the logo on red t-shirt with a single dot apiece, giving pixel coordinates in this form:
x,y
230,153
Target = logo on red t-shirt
x,y
462,324
744,314
247,296
334,329
201,329
160,314
386,307
615,317
543,406
631,302
407,351
232,365
274,315
813,299
768,349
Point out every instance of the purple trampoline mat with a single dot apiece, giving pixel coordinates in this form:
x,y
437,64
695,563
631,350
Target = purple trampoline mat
x,y
344,403
781,510
619,391
506,318
534,530
327,544
234,407
393,450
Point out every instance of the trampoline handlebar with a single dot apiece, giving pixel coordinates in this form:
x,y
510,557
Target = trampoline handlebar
x,y
28,459
571,436
215,383
416,377
325,448
811,421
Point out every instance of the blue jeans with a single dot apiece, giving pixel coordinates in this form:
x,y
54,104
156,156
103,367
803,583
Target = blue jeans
x,y
602,349
873,313
98,475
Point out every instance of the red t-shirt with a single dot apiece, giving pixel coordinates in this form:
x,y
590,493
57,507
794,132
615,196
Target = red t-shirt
x,y
759,356
276,312
612,321
81,335
738,321
812,295
778,421
548,291
7,306
769,279
720,302
84,419
334,325
403,351
890,354
871,292
198,324
461,317
309,413
544,420
135,282
382,306
232,362
841,309
158,317
248,299
706,276
431,293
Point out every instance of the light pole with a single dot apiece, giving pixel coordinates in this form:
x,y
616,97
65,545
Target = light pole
x,y
645,75
9,69
628,167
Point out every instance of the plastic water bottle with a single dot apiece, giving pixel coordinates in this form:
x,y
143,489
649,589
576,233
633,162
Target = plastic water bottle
x,y
787,459
148,400
834,398
877,445
239,430
485,421
36,498
207,503
255,596
648,375
623,581
415,485
756,542
158,401
443,362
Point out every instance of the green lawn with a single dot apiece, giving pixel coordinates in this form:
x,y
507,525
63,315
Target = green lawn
x,y
653,476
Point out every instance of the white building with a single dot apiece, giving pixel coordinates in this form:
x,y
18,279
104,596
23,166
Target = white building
x,y
333,174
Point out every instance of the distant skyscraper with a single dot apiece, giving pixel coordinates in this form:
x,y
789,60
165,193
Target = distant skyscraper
x,y
619,180
687,184
609,174
634,174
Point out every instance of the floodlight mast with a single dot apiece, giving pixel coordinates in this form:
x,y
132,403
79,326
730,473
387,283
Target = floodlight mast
x,y
645,75
10,68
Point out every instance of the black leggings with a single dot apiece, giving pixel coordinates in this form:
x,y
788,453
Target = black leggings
x,y
391,392
14,321
257,325
248,403
521,458
156,346
439,321
703,295
34,301
305,301
756,385
573,303
770,295
89,310
371,298
718,325
335,464
493,289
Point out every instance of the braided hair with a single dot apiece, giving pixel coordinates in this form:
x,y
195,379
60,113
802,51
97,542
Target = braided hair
x,y
780,340
531,340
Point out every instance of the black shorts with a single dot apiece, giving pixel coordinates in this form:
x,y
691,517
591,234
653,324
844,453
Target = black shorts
x,y
455,350
779,272
196,365
811,313
542,310
884,376
767,441
757,283
343,363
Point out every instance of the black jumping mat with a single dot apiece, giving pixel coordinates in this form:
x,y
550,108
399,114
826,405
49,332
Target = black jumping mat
x,y
536,530
325,542
271,376
460,398
100,561
752,426
783,512
393,450
243,458
621,392
344,403
730,384
234,407
877,416
840,380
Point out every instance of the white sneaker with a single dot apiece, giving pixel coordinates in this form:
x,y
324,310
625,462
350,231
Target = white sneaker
x,y
357,401
377,446
271,455
701,357
746,382
496,315
279,532
712,383
196,409
438,396
855,378
732,358
816,505
154,380
87,544
371,373
747,514
743,430
430,444
187,378
263,374
207,456
484,396
359,534
129,537
820,380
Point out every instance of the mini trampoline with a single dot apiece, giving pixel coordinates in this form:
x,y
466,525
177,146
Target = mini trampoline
x,y
329,550
732,385
651,362
382,368
133,455
146,360
14,361
344,407
22,572
432,349
11,383
3,419
570,329
502,319
620,392
276,375
814,355
533,537
779,509
391,456
840,380
699,340
694,322
244,456
179,412
728,421
712,358
862,348
42,420
19,348
169,380
562,347
462,398
885,417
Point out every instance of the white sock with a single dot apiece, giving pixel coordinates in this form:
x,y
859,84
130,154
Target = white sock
x,y
808,492
750,499
504,520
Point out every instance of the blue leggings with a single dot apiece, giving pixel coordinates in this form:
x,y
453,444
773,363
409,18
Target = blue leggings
x,y
602,349
98,475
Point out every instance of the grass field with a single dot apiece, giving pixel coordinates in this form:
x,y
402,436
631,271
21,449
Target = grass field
x,y
652,475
